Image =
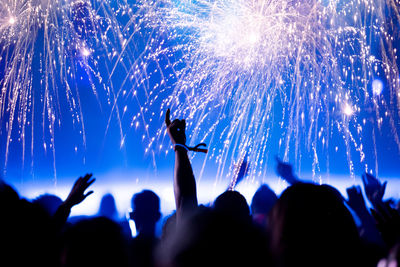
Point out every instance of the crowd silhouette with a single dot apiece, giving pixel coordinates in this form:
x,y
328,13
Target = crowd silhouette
x,y
307,225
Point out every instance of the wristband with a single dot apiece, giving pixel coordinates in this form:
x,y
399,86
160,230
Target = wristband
x,y
180,145
195,149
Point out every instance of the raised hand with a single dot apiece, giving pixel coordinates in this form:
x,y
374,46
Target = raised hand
x,y
184,181
388,221
373,188
368,230
356,199
285,170
77,193
176,129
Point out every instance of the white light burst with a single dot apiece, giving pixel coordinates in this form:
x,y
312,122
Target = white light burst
x,y
250,73
46,47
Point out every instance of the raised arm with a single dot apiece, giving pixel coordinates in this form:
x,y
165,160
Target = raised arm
x,y
184,181
285,171
76,196
368,230
374,189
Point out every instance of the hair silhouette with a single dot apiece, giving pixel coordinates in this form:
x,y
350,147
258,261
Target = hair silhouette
x,y
311,226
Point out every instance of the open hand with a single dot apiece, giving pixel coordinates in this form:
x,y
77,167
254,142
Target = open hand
x,y
356,199
77,194
373,188
285,170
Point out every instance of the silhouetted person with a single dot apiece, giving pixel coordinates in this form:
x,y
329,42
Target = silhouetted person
x,y
17,236
218,236
234,204
368,231
184,182
49,202
261,204
145,214
213,238
75,197
311,226
108,208
28,232
374,189
94,242
169,227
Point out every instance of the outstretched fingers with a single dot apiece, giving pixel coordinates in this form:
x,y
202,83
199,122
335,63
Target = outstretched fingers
x,y
87,176
180,124
77,193
89,179
167,118
88,194
383,188
86,181
83,183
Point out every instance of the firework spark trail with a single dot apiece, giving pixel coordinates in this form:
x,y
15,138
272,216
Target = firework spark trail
x,y
312,59
65,37
237,69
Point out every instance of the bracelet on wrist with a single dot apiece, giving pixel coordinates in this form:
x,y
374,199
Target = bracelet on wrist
x,y
181,145
195,149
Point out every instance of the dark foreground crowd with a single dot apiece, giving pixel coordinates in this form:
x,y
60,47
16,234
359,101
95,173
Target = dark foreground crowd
x,y
307,225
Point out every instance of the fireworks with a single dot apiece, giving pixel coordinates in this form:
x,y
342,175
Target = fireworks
x,y
246,74
304,69
45,48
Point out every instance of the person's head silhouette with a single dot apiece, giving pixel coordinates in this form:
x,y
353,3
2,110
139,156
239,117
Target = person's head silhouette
x,y
108,207
232,203
48,202
145,212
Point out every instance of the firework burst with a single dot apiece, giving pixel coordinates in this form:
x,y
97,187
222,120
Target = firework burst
x,y
246,70
46,47
247,74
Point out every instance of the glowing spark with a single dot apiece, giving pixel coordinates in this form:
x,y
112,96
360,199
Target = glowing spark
x,y
377,87
348,110
236,69
85,52
243,59
12,20
47,42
